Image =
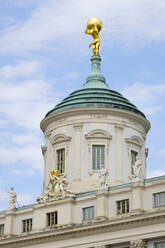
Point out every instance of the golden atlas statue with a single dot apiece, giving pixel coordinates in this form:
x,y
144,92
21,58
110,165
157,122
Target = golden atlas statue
x,y
94,26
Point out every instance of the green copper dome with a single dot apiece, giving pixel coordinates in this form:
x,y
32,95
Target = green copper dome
x,y
95,93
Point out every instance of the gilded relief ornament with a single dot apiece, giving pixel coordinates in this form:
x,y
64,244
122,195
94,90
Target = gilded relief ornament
x,y
94,26
54,173
56,188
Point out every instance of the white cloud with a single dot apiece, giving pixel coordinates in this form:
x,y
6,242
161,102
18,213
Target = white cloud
x,y
23,3
146,97
25,103
23,68
3,123
29,155
3,196
155,173
63,22
21,172
26,138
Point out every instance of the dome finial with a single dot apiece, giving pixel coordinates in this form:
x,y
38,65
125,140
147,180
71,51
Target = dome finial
x,y
94,26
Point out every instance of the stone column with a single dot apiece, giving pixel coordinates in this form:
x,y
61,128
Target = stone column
x,y
44,153
118,152
77,151
101,205
137,197
138,243
48,159
9,222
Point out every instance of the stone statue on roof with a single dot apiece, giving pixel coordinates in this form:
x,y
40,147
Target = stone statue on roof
x,y
13,198
103,173
138,170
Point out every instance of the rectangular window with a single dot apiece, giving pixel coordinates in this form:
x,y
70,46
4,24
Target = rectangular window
x,y
2,230
88,213
159,199
133,160
61,160
98,156
52,218
160,244
27,225
123,206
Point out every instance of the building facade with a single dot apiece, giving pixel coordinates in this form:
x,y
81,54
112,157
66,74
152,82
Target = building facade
x,y
95,191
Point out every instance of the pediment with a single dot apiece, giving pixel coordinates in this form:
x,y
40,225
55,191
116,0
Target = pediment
x,y
135,140
59,138
98,134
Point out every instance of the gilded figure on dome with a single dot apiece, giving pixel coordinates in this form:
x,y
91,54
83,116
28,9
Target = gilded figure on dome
x,y
94,26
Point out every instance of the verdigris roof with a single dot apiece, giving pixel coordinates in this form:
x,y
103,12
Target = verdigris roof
x,y
95,93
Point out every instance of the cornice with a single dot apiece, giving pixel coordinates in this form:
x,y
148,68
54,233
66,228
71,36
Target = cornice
x,y
103,111
80,230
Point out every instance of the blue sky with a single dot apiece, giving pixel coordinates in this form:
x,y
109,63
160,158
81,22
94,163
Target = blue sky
x,y
44,56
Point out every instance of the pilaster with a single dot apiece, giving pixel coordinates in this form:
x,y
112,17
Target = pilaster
x,y
101,205
9,223
137,197
48,159
77,151
118,152
44,153
39,218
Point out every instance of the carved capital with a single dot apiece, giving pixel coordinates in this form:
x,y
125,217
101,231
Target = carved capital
x,y
119,127
78,127
138,243
48,134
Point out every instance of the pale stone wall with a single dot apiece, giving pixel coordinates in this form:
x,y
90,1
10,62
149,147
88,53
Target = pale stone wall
x,y
114,197
80,204
17,225
140,195
152,188
117,149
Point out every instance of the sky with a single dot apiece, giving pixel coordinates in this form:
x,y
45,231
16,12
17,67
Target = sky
x,y
44,56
